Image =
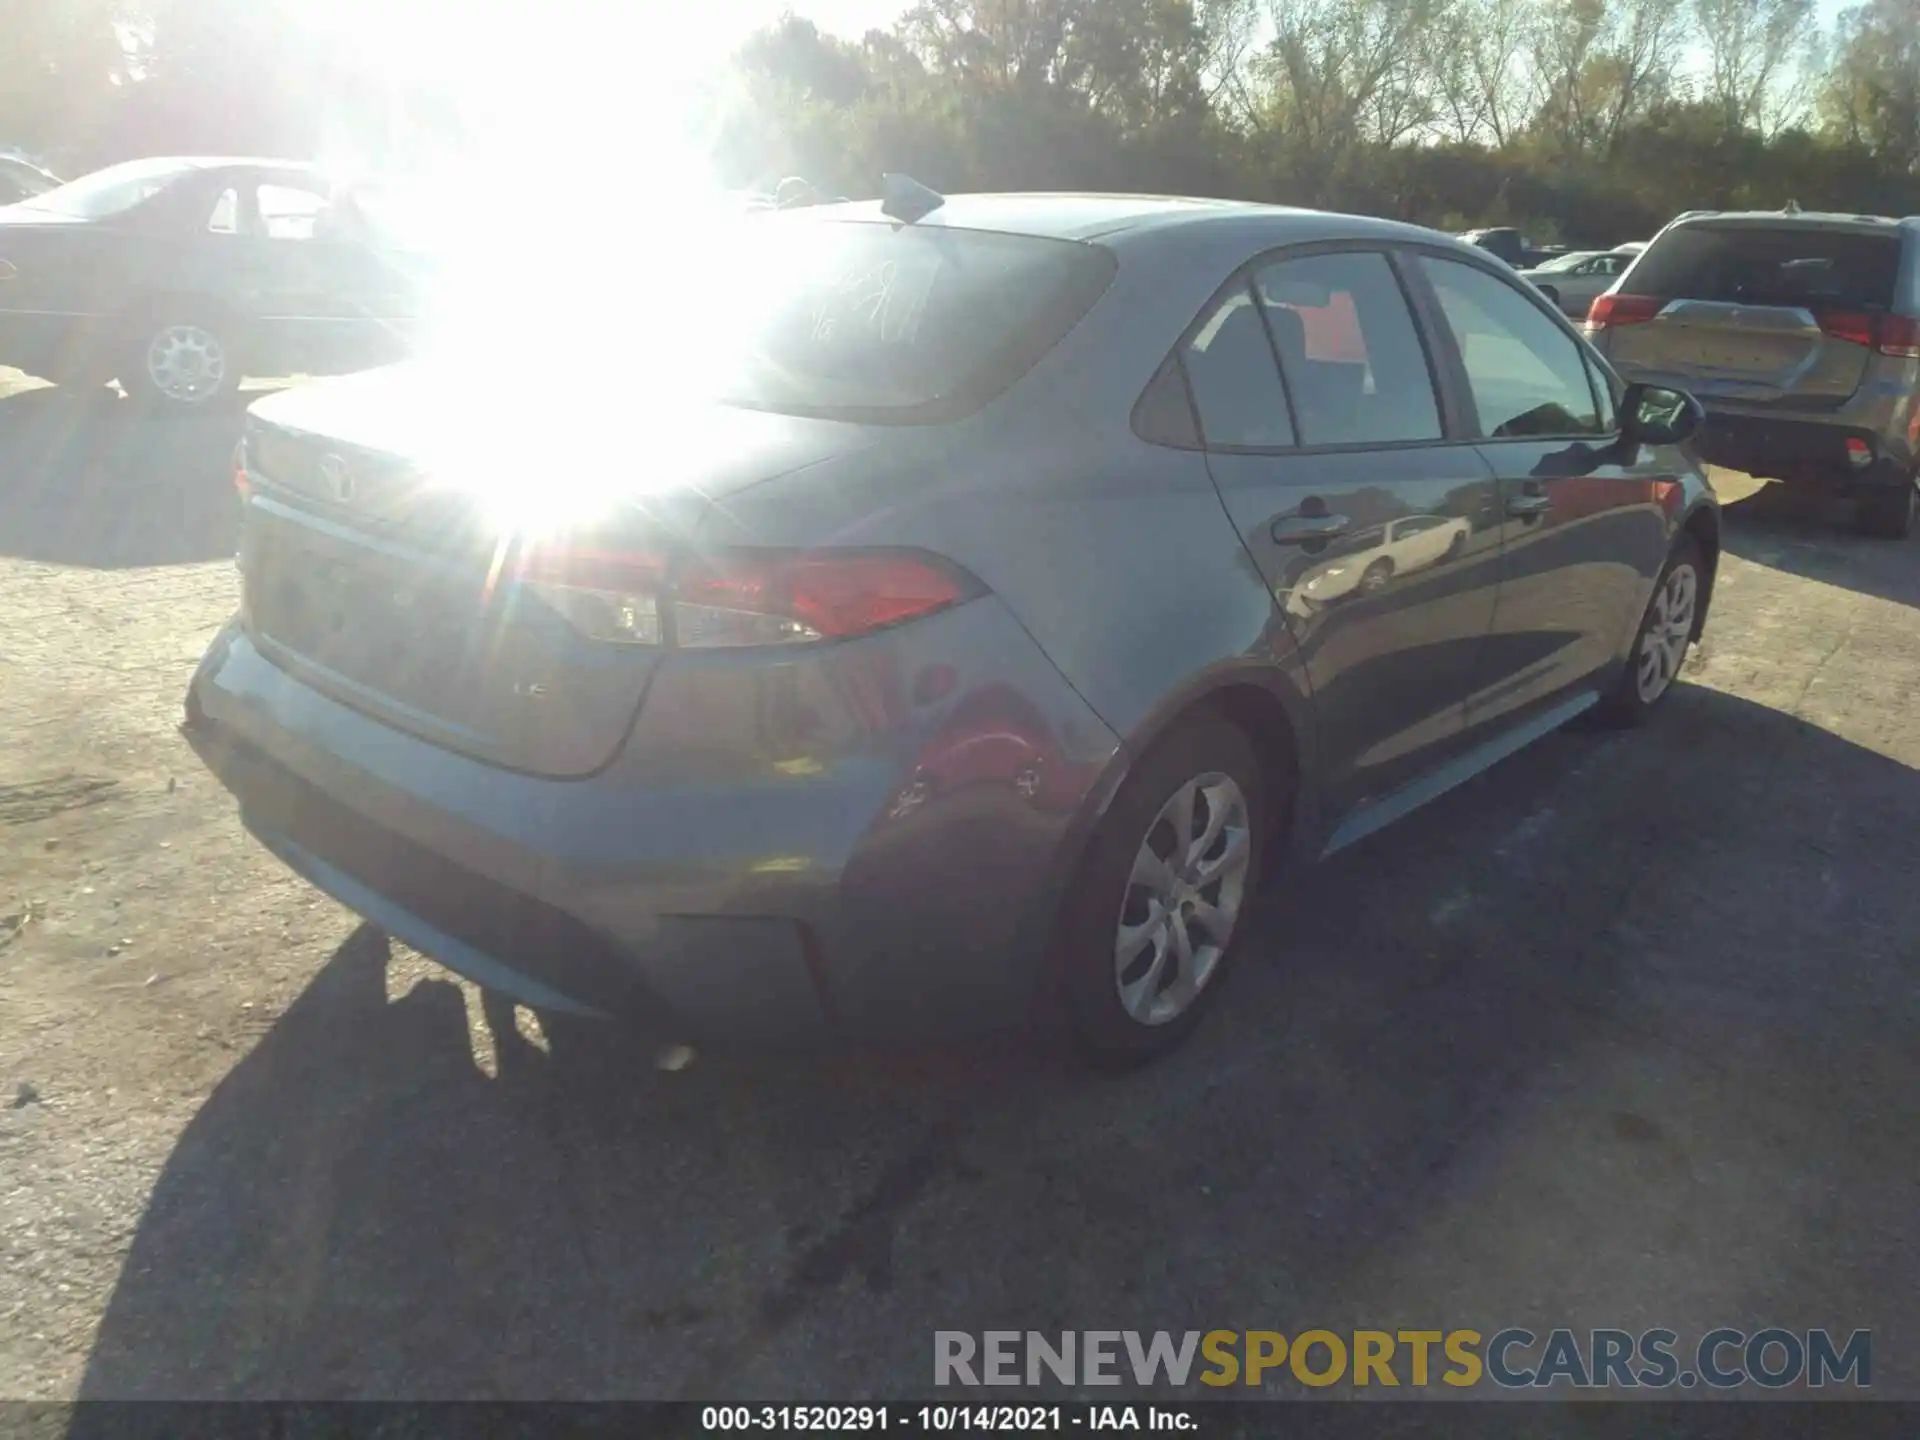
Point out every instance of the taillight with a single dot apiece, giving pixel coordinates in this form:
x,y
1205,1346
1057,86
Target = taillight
x,y
1894,335
241,482
1900,337
1855,329
1610,310
744,598
607,597
741,598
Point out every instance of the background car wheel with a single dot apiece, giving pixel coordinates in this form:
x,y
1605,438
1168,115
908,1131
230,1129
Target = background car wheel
x,y
1163,893
181,362
1375,577
1886,514
1660,647
1553,295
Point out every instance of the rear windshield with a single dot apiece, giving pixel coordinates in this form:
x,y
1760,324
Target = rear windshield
x,y
1757,265
885,323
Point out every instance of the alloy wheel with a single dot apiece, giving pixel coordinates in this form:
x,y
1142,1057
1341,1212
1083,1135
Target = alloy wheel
x,y
1669,630
186,364
1183,899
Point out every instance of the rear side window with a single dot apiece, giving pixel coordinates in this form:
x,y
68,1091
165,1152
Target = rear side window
x,y
1235,385
1163,415
1790,265
1348,349
224,219
1527,375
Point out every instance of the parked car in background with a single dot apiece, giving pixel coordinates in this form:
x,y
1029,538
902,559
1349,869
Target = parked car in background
x,y
1511,246
1800,334
1572,281
21,179
845,690
178,276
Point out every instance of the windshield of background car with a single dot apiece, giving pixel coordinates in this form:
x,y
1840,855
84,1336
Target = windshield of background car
x,y
1787,265
890,323
1564,262
111,191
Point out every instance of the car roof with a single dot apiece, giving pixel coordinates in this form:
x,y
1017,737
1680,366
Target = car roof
x,y
1792,219
1089,216
214,163
1062,215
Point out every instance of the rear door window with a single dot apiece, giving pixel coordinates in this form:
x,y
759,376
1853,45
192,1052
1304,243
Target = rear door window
x,y
1348,348
1788,265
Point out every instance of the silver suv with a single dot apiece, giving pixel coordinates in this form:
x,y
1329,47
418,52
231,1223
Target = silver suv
x,y
1798,334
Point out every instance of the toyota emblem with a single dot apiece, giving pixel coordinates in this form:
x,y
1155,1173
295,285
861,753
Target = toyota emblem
x,y
337,478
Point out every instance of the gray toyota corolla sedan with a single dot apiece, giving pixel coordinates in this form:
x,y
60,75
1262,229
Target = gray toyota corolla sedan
x,y
1009,579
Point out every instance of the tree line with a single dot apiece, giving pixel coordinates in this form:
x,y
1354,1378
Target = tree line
x,y
1586,121
84,83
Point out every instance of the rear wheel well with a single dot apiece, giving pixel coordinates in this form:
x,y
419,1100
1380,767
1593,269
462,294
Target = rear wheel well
x,y
1703,527
1261,717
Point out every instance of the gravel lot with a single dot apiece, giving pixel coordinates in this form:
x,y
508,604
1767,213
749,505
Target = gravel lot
x,y
1621,1034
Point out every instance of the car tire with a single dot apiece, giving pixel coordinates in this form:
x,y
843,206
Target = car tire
x,y
1142,963
1553,295
1886,514
1660,643
1375,577
180,361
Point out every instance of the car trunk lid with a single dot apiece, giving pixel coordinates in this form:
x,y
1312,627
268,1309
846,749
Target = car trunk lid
x,y
1779,314
385,575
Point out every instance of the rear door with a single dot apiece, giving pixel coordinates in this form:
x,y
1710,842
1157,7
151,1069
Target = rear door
x,y
1584,528
334,302
1756,314
1315,459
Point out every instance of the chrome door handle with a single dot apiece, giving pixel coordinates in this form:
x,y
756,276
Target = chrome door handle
x,y
1306,529
1529,507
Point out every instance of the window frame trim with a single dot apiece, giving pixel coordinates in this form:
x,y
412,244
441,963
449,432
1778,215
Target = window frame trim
x,y
1456,418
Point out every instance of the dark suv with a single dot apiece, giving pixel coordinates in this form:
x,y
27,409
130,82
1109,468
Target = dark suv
x,y
1798,333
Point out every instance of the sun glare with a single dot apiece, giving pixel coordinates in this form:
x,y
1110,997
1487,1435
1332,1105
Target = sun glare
x,y
578,237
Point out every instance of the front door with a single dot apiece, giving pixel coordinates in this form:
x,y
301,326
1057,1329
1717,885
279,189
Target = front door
x,y
1377,537
1585,531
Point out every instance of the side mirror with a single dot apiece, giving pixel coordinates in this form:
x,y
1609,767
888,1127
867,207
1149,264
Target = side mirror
x,y
1655,415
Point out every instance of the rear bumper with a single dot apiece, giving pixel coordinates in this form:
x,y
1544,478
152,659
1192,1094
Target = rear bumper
x,y
901,877
1800,451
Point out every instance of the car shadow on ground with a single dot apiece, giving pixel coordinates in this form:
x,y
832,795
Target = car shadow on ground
x,y
360,1210
90,479
1812,536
